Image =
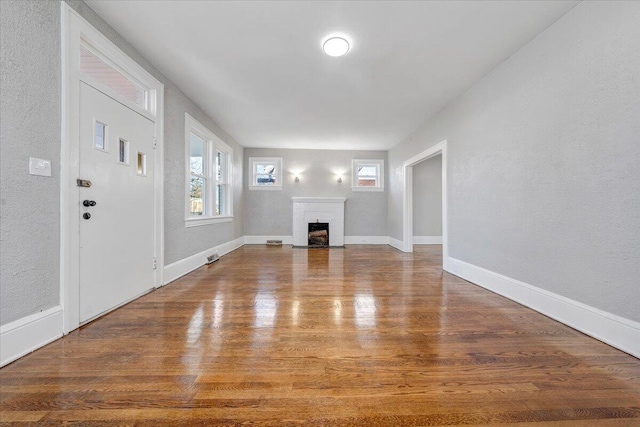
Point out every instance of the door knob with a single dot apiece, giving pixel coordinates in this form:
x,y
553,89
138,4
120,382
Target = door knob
x,y
86,215
88,203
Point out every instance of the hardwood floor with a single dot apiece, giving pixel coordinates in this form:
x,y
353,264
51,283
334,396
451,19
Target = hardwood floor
x,y
362,336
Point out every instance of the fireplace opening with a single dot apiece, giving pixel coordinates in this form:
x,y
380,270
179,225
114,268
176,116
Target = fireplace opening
x,y
318,235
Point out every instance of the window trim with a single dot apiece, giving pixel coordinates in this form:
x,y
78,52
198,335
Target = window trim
x,y
277,161
148,109
378,163
213,144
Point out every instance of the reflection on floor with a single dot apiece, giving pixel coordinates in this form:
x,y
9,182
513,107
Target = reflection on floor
x,y
364,335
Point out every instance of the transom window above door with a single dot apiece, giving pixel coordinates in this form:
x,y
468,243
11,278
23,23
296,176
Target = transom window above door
x,y
98,71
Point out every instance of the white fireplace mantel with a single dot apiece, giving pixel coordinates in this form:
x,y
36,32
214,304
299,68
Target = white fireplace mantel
x,y
318,209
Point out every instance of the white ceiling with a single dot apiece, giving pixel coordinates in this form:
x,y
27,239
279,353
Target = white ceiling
x,y
257,68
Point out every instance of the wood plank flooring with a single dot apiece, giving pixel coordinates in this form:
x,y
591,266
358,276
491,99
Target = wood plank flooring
x,y
361,336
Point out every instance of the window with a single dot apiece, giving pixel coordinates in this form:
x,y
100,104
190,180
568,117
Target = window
x,y
208,171
142,164
97,69
123,151
100,139
266,173
197,179
221,182
368,175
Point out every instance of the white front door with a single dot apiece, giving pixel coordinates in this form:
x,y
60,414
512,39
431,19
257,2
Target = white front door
x,y
117,209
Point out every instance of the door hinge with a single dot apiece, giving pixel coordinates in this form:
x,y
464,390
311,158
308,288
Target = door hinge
x,y
155,143
155,264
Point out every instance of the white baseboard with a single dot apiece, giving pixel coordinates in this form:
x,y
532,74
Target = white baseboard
x,y
231,246
398,244
178,269
262,240
25,335
616,331
366,240
348,240
427,240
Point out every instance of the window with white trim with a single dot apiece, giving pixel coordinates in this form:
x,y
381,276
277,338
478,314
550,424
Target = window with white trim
x,y
102,74
208,172
266,173
368,175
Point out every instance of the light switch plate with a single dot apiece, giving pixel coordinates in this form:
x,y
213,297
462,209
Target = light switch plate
x,y
39,167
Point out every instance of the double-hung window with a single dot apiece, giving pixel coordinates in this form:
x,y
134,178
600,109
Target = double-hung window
x,y
208,166
222,186
368,175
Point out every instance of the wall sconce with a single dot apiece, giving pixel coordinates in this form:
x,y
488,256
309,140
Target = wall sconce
x,y
295,174
339,179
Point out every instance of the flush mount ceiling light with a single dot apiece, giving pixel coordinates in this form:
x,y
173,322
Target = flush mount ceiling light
x,y
335,46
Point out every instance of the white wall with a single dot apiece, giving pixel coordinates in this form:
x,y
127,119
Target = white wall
x,y
543,162
427,198
270,213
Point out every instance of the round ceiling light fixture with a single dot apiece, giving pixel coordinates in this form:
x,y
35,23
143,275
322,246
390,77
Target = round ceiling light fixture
x,y
336,46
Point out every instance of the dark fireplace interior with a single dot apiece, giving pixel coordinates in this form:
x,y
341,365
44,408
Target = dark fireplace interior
x,y
318,234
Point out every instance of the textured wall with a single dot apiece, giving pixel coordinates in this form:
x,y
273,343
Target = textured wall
x,y
544,183
270,212
427,197
180,242
30,83
29,127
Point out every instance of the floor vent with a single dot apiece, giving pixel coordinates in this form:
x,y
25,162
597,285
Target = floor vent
x,y
274,242
213,258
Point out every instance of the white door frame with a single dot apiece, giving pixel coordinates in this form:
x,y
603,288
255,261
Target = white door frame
x,y
407,199
76,31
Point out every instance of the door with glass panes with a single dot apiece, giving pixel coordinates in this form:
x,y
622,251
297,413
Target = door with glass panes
x,y
116,203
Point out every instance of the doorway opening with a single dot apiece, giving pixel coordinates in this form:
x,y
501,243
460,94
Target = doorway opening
x,y
439,149
427,202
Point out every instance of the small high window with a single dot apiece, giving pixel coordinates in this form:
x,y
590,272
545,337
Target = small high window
x,y
266,173
368,175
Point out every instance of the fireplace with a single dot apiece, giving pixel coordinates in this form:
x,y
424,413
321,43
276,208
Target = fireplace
x,y
318,235
328,211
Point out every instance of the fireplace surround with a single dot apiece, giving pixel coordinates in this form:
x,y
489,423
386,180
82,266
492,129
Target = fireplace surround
x,y
313,210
